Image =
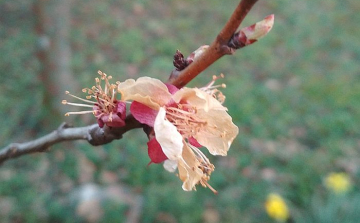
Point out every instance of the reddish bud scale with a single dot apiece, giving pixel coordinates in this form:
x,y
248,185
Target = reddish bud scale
x,y
179,62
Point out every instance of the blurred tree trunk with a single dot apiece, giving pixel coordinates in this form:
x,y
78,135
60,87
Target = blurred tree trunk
x,y
53,24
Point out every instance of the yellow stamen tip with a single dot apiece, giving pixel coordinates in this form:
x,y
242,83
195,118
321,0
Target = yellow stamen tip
x,y
67,92
67,114
64,102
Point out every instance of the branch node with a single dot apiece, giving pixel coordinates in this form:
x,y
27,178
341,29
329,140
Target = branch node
x,y
179,61
13,148
65,125
227,50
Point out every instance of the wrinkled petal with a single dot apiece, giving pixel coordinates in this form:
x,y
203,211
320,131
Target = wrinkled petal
x,y
189,173
168,136
198,98
170,165
155,152
143,113
148,91
219,133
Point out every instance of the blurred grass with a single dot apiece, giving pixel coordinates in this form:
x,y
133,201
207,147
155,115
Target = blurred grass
x,y
295,96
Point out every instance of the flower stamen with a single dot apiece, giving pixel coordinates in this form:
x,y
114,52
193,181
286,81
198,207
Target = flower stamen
x,y
186,121
81,99
78,113
106,108
64,102
205,166
212,89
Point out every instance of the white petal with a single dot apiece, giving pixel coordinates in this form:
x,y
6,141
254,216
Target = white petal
x,y
170,165
168,137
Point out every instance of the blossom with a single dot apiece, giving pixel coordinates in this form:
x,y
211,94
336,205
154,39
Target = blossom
x,y
276,207
338,182
183,120
107,109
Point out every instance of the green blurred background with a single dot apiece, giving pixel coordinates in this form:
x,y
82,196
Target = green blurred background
x,y
295,96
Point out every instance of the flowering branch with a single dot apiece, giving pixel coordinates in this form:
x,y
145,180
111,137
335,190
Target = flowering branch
x,y
225,43
216,50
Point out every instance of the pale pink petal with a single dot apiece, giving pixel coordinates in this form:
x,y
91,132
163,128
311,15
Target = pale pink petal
x,y
148,91
219,132
197,98
189,172
168,137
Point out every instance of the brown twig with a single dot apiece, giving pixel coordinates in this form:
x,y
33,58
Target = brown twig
x,y
92,133
216,50
99,136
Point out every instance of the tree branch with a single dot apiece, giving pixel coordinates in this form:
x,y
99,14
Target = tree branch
x,y
92,133
216,50
99,136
